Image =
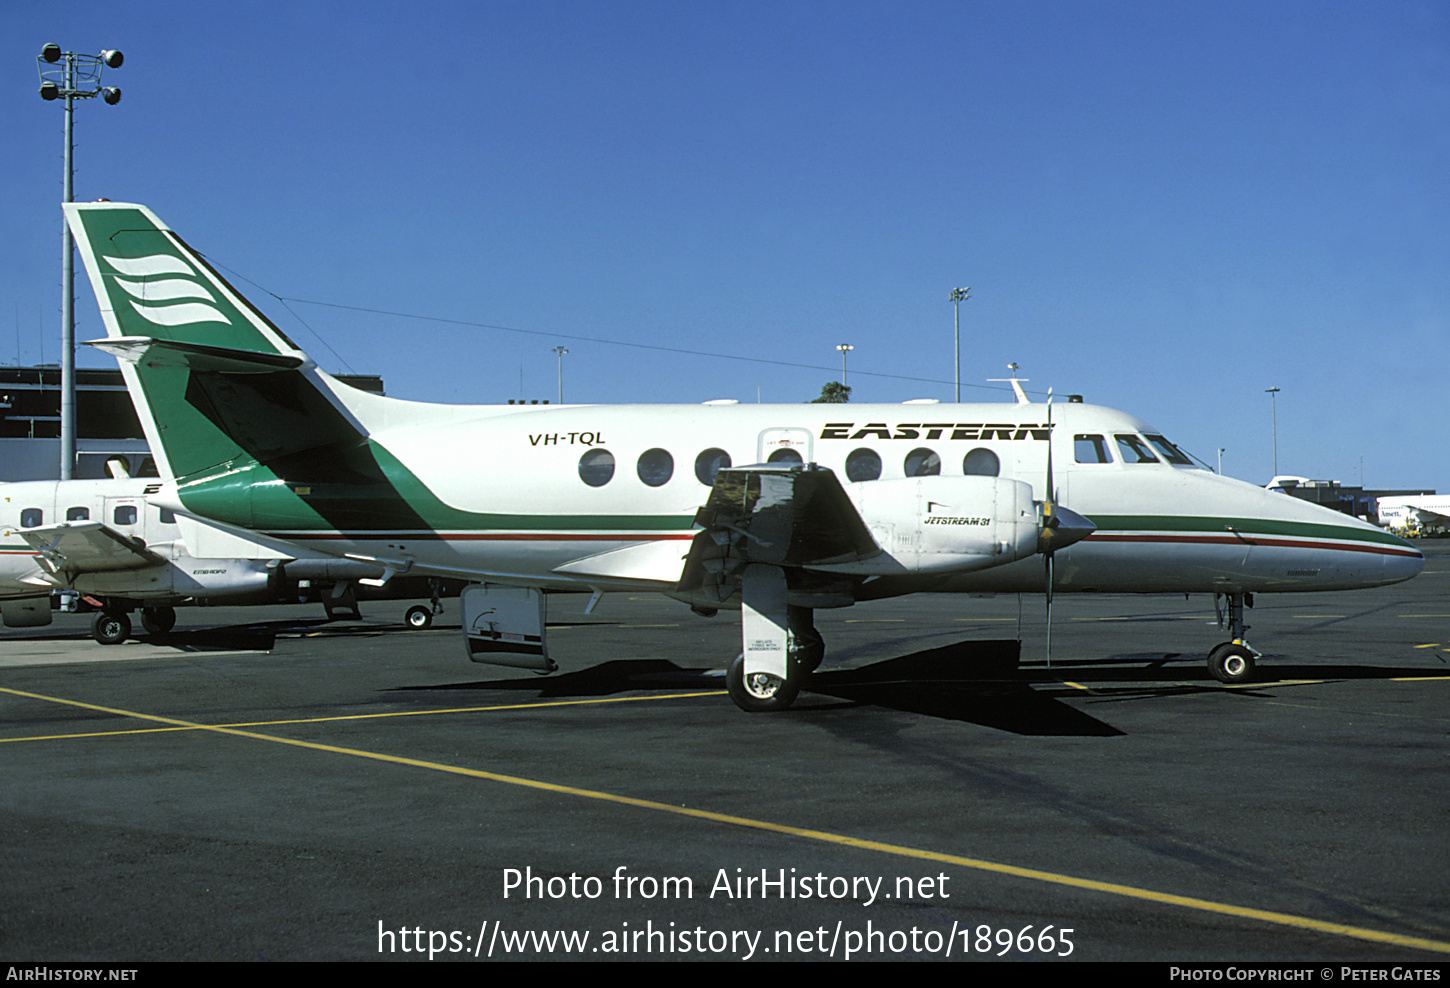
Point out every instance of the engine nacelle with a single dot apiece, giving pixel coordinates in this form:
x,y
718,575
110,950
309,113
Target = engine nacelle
x,y
183,577
28,612
943,524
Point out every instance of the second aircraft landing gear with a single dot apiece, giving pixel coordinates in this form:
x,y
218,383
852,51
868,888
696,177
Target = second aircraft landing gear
x,y
110,627
420,616
1233,661
158,620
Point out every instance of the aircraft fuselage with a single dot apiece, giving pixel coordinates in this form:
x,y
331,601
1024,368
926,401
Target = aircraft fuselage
x,y
513,493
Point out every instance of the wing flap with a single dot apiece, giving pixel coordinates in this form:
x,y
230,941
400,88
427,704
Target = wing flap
x,y
87,547
785,516
793,517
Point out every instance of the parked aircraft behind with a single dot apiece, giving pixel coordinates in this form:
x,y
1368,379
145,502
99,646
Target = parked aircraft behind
x,y
775,509
1424,513
102,539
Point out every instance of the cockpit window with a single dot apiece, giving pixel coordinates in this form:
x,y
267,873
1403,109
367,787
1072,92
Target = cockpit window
x,y
1132,449
1091,449
1168,451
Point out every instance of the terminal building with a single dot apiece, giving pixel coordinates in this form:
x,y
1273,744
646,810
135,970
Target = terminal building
x,y
106,423
1356,501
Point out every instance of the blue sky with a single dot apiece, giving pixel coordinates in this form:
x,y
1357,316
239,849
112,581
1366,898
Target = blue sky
x,y
1164,207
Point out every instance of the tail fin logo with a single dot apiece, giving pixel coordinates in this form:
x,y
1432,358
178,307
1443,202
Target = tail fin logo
x,y
156,294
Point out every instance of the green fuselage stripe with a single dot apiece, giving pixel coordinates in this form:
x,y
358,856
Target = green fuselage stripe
x,y
1164,524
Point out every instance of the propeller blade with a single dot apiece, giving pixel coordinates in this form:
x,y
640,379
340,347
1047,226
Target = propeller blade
x,y
1050,524
1047,564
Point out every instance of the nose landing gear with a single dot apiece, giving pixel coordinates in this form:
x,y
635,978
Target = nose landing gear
x,y
1233,661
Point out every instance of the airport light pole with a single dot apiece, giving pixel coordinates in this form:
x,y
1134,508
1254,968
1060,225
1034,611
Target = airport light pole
x,y
845,348
561,351
957,297
68,76
1221,451
1274,412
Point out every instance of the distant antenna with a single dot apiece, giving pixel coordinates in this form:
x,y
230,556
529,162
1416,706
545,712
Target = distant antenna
x,y
1016,383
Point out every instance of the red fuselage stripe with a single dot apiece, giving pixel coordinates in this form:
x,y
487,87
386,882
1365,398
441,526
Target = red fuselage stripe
x,y
1255,540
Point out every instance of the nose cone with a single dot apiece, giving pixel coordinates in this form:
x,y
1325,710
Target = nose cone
x,y
1062,528
1404,564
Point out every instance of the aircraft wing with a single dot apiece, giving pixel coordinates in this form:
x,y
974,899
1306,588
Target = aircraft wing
x,y
786,516
1430,516
87,547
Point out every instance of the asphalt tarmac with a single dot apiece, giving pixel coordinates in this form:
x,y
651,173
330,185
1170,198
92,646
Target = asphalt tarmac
x,y
265,785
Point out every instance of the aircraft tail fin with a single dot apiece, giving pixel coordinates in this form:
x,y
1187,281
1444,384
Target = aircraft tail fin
x,y
150,283
216,385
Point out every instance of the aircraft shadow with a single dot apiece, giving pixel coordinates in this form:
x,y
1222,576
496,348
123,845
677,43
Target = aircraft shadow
x,y
979,682
973,681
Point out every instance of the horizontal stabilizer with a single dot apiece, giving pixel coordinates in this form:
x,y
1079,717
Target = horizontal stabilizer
x,y
152,352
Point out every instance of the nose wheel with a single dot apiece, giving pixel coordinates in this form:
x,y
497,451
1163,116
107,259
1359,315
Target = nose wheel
x,y
1233,662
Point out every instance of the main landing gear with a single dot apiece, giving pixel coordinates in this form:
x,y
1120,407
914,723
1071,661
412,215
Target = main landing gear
x,y
1232,661
158,620
764,692
420,616
112,625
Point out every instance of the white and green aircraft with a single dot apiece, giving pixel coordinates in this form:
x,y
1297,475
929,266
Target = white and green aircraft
x,y
774,509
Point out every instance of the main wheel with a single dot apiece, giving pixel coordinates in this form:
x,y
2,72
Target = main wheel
x,y
807,647
158,620
760,692
110,627
1231,663
419,617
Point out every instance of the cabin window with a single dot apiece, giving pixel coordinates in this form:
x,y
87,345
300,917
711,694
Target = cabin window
x,y
655,467
1132,449
125,514
596,467
1091,449
981,462
785,455
168,517
1169,452
77,514
709,463
31,518
922,463
862,465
